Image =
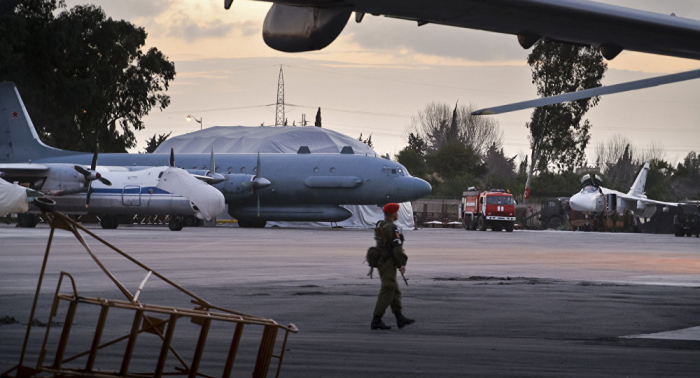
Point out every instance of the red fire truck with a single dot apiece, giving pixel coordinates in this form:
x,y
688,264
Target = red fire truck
x,y
493,209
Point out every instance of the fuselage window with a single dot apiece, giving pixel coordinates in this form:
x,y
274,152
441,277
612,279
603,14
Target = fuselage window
x,y
230,169
160,174
316,170
393,171
332,169
242,169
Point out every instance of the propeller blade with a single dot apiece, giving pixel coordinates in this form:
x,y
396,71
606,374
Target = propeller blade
x,y
258,204
105,181
212,165
81,170
89,193
258,168
94,157
172,157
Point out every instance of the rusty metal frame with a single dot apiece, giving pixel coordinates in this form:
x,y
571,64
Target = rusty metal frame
x,y
203,314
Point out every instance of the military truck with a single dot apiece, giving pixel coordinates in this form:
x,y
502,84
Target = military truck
x,y
554,212
686,224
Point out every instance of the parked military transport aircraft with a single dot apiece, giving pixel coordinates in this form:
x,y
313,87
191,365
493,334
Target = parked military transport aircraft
x,y
77,190
302,186
594,198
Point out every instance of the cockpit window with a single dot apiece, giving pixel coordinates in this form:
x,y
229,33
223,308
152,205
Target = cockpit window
x,y
393,171
590,189
160,174
401,172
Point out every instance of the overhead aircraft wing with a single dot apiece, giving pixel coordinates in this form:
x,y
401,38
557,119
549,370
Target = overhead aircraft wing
x,y
22,169
594,92
611,27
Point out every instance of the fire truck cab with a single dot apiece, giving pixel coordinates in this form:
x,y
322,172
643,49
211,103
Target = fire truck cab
x,y
493,209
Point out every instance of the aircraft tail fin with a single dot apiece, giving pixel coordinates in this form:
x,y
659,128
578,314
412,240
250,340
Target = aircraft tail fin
x,y
637,189
19,141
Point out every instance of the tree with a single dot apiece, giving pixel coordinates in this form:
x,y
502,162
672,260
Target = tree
x,y
413,161
501,169
82,74
455,159
438,126
318,118
156,140
558,133
416,144
367,141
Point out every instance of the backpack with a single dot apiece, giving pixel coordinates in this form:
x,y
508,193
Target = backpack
x,y
373,256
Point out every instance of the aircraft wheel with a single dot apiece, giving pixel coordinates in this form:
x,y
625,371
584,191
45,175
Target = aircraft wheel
x,y
509,227
190,221
679,233
109,222
176,223
26,220
689,233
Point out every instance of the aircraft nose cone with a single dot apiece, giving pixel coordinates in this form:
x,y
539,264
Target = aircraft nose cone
x,y
410,189
582,202
422,188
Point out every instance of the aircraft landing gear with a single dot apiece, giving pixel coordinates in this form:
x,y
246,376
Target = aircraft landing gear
x,y
109,222
251,223
176,223
191,221
27,220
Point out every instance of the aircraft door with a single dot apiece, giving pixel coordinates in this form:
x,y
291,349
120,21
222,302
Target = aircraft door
x,y
131,195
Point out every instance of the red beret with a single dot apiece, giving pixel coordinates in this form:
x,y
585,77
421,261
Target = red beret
x,y
391,208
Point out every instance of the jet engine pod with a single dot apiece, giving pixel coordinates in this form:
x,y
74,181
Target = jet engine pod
x,y
298,29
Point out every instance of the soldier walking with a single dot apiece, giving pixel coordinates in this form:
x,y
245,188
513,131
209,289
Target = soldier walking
x,y
390,242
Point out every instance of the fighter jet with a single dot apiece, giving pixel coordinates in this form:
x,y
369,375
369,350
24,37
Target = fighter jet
x,y
594,198
258,187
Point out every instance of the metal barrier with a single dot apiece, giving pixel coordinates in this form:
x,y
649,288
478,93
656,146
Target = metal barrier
x,y
145,320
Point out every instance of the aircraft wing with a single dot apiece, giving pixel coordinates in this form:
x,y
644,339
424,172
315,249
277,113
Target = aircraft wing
x,y
611,27
646,201
22,169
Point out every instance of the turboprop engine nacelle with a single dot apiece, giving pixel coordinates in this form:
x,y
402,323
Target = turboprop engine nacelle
x,y
298,29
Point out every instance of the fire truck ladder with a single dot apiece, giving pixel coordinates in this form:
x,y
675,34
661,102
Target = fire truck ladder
x,y
150,319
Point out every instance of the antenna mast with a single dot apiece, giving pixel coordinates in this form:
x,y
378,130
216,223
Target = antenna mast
x,y
279,111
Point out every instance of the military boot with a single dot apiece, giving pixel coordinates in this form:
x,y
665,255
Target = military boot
x,y
403,321
377,323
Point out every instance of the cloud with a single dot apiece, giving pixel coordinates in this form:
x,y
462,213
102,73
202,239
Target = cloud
x,y
189,29
405,37
129,10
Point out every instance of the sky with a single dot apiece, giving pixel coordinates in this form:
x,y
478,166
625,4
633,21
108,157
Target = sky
x,y
381,72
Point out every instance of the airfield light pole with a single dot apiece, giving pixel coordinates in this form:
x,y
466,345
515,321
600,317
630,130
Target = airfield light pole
x,y
199,121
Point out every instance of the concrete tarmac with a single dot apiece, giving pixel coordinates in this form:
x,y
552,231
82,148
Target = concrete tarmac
x,y
521,304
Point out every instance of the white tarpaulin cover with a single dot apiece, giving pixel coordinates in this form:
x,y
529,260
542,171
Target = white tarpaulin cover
x,y
13,198
284,139
208,199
